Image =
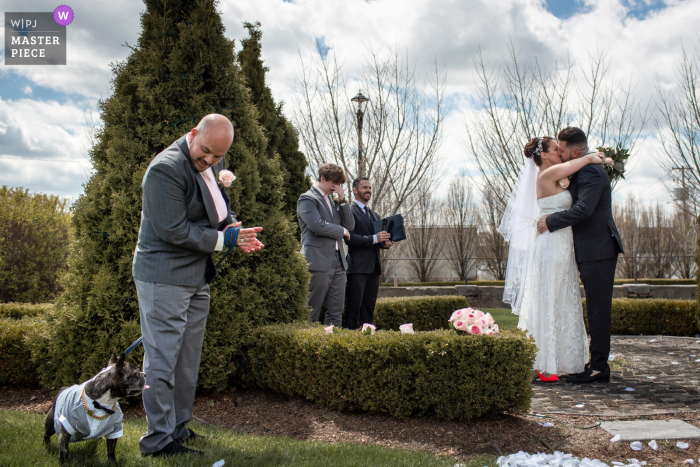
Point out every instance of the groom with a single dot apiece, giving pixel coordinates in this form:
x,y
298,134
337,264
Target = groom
x,y
596,244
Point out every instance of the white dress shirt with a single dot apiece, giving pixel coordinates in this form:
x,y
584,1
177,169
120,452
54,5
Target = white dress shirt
x,y
365,208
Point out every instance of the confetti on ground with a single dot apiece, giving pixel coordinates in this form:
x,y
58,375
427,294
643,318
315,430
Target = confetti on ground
x,y
611,358
651,377
579,406
682,445
653,340
558,459
689,461
615,439
636,445
629,389
653,444
675,363
546,424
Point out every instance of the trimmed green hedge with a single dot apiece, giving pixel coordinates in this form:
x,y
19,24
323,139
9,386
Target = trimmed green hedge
x,y
16,366
426,313
437,373
633,316
20,310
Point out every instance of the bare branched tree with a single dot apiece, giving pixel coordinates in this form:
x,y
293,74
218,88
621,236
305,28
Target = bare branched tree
x,y
461,221
679,131
627,218
402,130
423,242
492,245
684,235
657,242
521,100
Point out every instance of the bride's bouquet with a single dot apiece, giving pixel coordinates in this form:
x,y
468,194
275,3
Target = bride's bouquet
x,y
473,321
619,157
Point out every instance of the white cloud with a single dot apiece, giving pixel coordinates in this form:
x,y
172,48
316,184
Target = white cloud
x,y
27,90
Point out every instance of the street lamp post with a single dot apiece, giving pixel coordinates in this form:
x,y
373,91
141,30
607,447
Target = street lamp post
x,y
360,101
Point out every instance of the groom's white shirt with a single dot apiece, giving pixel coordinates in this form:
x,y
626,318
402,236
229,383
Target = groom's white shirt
x,y
216,195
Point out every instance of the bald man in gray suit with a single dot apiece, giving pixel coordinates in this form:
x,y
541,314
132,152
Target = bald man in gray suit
x,y
184,217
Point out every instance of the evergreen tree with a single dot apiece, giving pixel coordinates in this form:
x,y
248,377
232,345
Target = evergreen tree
x,y
282,137
181,69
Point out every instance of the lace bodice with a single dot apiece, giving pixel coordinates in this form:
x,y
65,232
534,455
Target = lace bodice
x,y
555,203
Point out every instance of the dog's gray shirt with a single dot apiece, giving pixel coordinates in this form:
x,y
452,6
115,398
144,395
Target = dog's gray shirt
x,y
70,413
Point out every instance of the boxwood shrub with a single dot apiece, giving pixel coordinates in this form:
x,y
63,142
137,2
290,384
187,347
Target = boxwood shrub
x,y
20,310
437,373
16,366
426,313
634,316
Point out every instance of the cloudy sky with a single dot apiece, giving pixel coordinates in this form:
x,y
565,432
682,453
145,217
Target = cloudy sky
x,y
43,109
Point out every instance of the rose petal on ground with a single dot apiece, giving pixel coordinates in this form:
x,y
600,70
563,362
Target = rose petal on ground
x,y
689,461
629,389
653,340
615,439
579,406
651,377
653,444
670,353
611,358
675,363
219,463
546,424
682,445
636,446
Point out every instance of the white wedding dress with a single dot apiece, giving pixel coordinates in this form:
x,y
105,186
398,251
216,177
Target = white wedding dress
x,y
551,309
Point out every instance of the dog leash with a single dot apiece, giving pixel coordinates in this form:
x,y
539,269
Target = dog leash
x,y
230,238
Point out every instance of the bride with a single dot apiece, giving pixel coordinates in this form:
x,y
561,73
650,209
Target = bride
x,y
542,283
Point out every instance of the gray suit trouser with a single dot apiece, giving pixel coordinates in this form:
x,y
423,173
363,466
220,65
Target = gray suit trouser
x,y
328,288
173,319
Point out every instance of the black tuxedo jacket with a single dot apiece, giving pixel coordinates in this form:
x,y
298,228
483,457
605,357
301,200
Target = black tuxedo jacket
x,y
363,254
590,217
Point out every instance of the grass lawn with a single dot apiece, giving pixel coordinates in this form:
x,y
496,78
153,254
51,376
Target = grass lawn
x,y
504,318
21,435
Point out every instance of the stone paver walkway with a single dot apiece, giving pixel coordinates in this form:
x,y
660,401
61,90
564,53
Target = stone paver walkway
x,y
663,374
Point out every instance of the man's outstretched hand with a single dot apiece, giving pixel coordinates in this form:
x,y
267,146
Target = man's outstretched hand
x,y
247,239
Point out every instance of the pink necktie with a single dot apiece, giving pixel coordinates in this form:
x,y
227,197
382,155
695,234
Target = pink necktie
x,y
328,201
216,195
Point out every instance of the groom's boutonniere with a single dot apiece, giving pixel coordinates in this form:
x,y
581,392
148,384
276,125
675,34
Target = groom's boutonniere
x,y
335,198
226,177
564,182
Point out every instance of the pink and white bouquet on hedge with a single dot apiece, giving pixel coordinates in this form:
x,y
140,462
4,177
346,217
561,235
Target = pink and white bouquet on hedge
x,y
473,322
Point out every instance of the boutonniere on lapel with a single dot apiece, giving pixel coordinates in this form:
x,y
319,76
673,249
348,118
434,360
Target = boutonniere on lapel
x,y
226,177
335,198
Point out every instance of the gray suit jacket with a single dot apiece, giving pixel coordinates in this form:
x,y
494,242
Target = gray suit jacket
x,y
179,222
321,229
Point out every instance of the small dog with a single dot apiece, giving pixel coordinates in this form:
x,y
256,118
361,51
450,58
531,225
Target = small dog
x,y
90,410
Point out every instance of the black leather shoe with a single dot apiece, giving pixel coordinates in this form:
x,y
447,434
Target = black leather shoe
x,y
588,377
193,436
173,448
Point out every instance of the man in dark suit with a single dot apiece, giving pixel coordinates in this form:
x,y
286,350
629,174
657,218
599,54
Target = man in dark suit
x,y
364,262
596,244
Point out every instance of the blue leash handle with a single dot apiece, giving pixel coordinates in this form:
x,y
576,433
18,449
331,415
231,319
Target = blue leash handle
x,y
230,238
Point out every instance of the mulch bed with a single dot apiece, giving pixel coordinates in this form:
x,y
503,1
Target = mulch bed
x,y
264,413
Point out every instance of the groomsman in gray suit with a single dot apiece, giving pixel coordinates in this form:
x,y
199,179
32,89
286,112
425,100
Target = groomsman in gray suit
x,y
184,216
324,222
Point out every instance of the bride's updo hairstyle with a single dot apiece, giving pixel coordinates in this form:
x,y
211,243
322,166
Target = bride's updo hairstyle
x,y
534,151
